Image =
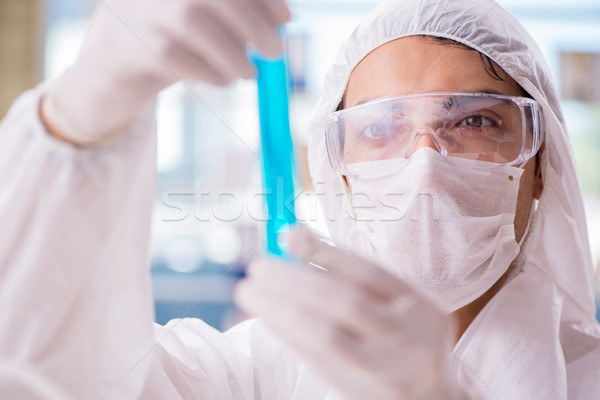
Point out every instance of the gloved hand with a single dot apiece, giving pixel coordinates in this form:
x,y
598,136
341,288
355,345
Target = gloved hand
x,y
366,332
135,48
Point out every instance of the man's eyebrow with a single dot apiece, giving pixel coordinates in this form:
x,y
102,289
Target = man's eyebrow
x,y
362,100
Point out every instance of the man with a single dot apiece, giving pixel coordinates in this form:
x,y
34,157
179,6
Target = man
x,y
529,340
375,325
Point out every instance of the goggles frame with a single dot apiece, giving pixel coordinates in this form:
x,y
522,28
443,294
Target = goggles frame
x,y
529,108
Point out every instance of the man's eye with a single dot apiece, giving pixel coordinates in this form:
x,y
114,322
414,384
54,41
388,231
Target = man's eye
x,y
373,130
477,121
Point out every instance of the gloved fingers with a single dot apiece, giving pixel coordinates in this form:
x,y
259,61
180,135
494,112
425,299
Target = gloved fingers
x,y
398,304
187,64
321,293
344,264
394,325
324,346
252,23
354,364
205,34
277,9
300,328
418,311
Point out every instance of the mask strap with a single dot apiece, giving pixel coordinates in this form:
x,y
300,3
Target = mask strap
x,y
520,259
529,219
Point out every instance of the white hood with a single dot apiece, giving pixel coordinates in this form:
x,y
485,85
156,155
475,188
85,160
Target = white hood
x,y
556,251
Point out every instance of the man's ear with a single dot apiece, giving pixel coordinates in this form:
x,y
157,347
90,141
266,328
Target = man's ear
x,y
538,182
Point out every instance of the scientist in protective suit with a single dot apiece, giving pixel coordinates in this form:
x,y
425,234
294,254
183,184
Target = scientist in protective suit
x,y
461,267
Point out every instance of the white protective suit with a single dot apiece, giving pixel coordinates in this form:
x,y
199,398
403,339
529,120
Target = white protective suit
x,y
74,284
538,337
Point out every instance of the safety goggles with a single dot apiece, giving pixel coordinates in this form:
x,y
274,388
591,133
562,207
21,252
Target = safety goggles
x,y
501,130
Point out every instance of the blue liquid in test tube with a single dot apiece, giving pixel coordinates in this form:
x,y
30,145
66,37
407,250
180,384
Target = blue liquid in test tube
x,y
277,150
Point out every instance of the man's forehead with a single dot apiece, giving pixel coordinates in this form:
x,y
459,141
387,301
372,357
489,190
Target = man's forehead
x,y
411,65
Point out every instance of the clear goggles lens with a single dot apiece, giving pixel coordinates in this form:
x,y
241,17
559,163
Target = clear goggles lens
x,y
500,130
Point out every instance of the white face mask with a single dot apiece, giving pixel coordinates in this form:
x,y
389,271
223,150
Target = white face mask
x,y
447,229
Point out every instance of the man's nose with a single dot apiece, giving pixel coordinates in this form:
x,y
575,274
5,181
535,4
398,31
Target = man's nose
x,y
425,140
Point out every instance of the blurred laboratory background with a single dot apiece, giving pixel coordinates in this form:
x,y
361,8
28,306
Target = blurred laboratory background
x,y
208,211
